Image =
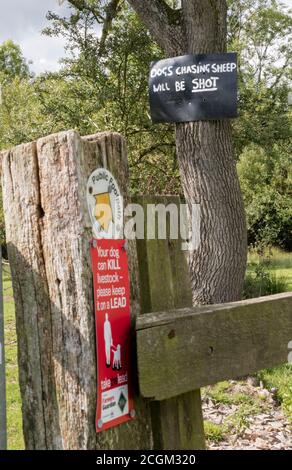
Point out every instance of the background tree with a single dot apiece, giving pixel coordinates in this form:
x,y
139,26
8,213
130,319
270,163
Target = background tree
x,y
205,152
261,31
12,62
107,88
266,182
111,92
14,72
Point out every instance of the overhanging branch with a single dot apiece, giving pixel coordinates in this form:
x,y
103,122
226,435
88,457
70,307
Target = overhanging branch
x,y
81,5
111,12
162,21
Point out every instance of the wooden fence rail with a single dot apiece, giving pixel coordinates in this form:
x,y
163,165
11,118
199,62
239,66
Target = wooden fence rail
x,y
185,349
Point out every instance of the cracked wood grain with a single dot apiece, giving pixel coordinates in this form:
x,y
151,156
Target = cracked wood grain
x,y
48,232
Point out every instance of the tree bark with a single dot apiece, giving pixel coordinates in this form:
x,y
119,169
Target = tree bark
x,y
163,23
205,154
48,232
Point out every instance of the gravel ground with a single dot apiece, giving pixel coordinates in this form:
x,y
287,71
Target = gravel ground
x,y
265,428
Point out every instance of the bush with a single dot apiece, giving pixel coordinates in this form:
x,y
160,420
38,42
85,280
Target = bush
x,y
266,179
260,281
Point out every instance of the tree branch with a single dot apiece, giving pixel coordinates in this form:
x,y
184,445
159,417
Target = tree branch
x,y
283,70
151,149
82,6
111,12
162,21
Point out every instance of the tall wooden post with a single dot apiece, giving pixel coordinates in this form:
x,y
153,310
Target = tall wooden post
x,y
165,283
48,232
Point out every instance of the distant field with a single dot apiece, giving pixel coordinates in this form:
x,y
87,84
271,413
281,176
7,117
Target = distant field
x,y
279,263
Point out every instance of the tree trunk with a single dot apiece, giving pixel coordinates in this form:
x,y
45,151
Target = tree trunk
x,y
208,174
209,178
205,154
48,232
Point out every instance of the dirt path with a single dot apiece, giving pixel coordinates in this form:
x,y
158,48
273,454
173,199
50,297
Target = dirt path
x,y
245,417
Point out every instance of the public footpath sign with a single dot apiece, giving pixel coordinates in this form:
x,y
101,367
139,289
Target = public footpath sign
x,y
105,205
194,88
111,301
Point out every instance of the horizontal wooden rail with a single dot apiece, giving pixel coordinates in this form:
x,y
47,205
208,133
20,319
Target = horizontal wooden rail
x,y
183,350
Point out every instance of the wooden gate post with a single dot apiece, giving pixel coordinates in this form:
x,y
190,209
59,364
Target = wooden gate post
x,y
48,232
165,284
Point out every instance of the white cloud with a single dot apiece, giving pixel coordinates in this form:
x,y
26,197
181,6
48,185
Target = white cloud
x,y
43,51
22,21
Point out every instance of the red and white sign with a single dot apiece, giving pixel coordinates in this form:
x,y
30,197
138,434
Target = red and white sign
x,y
113,332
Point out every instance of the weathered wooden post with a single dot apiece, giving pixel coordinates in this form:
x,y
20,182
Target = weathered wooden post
x,y
165,284
3,434
48,232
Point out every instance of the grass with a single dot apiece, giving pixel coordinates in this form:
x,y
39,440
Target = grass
x,y
213,432
280,378
278,263
249,405
238,420
220,393
14,418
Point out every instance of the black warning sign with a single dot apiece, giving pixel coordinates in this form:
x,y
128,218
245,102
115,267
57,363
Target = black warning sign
x,y
194,88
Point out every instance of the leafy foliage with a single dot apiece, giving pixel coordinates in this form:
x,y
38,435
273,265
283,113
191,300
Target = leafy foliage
x,y
103,85
266,182
261,32
111,92
12,62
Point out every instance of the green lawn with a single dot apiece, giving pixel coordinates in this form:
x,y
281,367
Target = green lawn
x,y
279,264
14,419
281,378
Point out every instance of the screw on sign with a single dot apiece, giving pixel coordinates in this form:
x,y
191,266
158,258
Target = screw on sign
x,y
112,301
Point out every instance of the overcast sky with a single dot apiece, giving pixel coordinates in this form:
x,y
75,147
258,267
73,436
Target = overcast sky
x,y
23,20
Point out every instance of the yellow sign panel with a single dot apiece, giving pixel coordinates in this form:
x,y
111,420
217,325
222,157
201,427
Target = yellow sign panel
x,y
103,210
